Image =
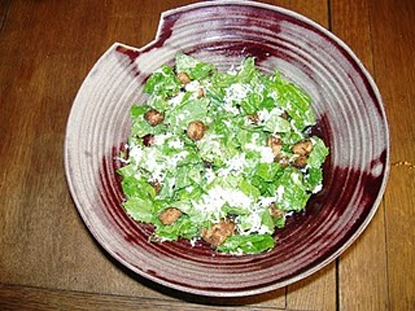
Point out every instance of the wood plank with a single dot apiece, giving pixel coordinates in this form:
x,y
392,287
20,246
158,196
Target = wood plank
x,y
317,292
38,299
316,10
362,269
393,43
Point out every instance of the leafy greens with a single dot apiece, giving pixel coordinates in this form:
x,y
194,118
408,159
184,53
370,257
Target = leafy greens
x,y
254,165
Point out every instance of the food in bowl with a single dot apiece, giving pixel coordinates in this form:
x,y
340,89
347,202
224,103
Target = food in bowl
x,y
224,157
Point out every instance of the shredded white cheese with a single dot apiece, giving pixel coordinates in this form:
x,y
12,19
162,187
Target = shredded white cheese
x,y
318,188
234,165
235,93
212,202
280,192
267,156
160,139
193,86
176,100
176,144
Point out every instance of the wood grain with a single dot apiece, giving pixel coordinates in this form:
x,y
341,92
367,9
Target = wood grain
x,y
317,292
49,261
393,42
38,299
362,274
4,8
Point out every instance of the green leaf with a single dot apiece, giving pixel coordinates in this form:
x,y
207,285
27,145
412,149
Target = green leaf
x,y
267,220
163,83
248,71
168,186
194,68
223,80
190,109
248,189
159,103
292,194
136,187
279,222
249,244
248,107
234,210
183,227
294,101
268,171
276,124
313,179
318,153
140,209
140,126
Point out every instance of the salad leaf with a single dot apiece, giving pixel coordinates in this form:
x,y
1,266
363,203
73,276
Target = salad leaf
x,y
268,171
247,244
248,71
194,68
140,209
163,82
140,127
318,154
183,227
249,189
294,101
188,110
292,193
277,124
314,179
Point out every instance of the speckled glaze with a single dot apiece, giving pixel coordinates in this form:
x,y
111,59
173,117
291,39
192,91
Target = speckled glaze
x,y
351,120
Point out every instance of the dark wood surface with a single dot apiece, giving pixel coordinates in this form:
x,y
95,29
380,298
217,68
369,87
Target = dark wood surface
x,y
49,261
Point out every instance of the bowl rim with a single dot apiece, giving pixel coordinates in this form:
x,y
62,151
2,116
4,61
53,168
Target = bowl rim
x,y
290,280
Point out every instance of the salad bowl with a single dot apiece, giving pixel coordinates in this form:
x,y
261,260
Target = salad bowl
x,y
350,119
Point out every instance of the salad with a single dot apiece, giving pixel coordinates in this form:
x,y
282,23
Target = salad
x,y
223,157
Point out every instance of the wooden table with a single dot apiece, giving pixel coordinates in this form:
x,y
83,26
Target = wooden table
x,y
49,261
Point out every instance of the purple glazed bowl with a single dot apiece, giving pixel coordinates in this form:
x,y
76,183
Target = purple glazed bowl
x,y
351,120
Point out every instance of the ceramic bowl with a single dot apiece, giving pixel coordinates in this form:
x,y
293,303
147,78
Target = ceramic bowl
x,y
351,121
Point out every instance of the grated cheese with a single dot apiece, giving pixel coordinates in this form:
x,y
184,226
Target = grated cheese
x,y
176,144
212,202
176,100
